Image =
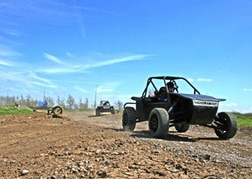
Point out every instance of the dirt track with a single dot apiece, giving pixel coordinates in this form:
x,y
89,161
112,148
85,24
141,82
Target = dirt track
x,y
85,146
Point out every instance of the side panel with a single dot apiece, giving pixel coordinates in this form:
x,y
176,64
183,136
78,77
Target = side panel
x,y
203,115
144,106
140,109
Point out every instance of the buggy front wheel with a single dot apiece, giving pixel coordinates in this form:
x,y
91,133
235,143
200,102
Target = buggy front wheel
x,y
226,125
159,123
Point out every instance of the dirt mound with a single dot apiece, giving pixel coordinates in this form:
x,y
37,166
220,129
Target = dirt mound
x,y
82,145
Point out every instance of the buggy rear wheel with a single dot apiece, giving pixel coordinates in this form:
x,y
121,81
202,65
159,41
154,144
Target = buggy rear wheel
x,y
97,112
159,123
129,119
112,110
182,127
227,125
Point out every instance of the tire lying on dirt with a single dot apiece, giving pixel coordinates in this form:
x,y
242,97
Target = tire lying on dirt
x,y
159,123
228,125
129,119
57,110
181,127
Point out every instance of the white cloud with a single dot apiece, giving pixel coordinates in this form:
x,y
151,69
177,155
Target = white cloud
x,y
228,104
81,68
52,58
119,60
190,79
204,80
6,51
247,89
34,76
42,84
70,55
81,89
24,78
200,80
13,32
103,90
107,87
5,63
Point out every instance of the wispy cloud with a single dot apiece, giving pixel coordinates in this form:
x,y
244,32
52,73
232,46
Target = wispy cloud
x,y
81,89
34,76
247,89
13,32
119,60
2,62
228,104
24,78
42,84
200,80
190,79
6,51
104,90
70,55
52,58
204,80
81,68
108,87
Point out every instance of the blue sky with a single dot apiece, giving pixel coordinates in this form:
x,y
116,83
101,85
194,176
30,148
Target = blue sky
x,y
64,47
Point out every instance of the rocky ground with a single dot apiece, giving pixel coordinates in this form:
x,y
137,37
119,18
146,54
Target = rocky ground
x,y
81,145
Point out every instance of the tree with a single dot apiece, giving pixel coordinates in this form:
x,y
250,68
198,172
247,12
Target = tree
x,y
119,105
70,102
22,100
50,101
61,102
28,100
86,103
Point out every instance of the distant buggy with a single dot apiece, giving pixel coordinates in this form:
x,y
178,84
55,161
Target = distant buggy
x,y
163,109
104,107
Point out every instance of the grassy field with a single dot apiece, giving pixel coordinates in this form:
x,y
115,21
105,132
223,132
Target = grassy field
x,y
12,110
243,120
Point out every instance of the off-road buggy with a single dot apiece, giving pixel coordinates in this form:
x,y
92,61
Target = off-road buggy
x,y
164,109
104,107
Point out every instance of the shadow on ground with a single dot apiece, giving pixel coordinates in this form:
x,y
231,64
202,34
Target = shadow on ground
x,y
172,136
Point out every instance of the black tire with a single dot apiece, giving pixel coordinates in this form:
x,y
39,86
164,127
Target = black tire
x,y
228,125
57,110
159,123
97,112
112,111
129,119
182,127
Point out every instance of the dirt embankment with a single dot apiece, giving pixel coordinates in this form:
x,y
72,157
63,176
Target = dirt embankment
x,y
81,145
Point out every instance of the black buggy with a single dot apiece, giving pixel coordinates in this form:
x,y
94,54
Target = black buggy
x,y
104,107
163,109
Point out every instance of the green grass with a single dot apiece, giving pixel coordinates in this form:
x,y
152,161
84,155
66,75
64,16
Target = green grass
x,y
244,120
12,110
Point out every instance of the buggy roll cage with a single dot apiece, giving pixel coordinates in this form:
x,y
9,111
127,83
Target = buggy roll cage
x,y
167,78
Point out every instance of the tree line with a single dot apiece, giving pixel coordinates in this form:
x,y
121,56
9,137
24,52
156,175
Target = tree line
x,y
70,103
